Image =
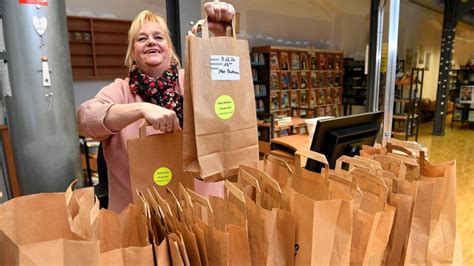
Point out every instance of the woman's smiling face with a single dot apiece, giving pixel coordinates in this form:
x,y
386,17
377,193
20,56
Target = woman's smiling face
x,y
151,49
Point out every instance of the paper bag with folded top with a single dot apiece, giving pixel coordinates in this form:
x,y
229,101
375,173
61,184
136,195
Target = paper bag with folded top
x,y
271,229
34,230
220,126
323,211
156,162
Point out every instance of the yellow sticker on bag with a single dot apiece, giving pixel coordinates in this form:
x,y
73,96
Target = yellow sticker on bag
x,y
224,107
162,176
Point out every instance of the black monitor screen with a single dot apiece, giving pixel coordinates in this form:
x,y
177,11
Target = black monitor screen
x,y
339,136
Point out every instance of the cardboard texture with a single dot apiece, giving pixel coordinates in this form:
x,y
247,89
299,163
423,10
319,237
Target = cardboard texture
x,y
224,131
151,154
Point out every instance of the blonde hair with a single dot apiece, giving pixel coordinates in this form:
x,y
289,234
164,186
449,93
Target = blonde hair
x,y
142,18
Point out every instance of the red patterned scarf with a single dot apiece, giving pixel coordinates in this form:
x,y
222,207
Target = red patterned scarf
x,y
160,91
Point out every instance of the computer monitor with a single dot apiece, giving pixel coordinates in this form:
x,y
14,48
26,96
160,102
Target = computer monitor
x,y
345,135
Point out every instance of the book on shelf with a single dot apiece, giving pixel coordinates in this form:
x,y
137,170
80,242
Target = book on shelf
x,y
337,80
337,62
304,61
312,98
322,82
303,98
314,62
328,94
335,110
328,110
274,81
258,59
285,81
295,61
284,104
274,61
330,80
254,74
260,90
294,81
314,80
320,97
294,99
322,64
336,95
321,111
284,62
260,106
303,81
274,102
329,62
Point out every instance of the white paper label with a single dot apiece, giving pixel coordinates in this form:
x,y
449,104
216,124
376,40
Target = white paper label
x,y
225,67
46,79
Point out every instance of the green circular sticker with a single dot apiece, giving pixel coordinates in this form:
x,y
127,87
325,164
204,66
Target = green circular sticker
x,y
162,176
224,107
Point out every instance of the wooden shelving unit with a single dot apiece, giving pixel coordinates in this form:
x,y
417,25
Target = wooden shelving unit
x,y
407,103
287,77
97,47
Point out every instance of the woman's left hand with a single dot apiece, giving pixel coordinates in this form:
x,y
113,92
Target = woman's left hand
x,y
219,15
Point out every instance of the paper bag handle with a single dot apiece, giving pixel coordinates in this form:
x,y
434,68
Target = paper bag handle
x,y
353,187
203,24
195,197
402,169
391,147
352,161
272,183
181,216
232,189
253,182
278,161
310,155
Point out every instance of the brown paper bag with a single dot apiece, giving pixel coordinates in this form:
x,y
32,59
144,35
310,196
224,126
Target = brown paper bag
x,y
156,161
433,229
34,230
271,231
373,222
225,124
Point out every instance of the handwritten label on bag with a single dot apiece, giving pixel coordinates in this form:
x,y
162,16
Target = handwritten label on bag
x,y
162,176
225,67
224,107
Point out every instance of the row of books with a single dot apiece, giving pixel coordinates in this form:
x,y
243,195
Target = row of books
x,y
304,98
305,61
294,80
258,59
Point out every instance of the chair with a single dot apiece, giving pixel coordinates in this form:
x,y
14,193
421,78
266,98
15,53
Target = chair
x,y
101,190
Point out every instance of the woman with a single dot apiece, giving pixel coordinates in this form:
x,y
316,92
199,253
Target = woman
x,y
152,91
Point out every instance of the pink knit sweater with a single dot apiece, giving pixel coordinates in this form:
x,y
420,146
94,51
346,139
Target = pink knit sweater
x,y
91,114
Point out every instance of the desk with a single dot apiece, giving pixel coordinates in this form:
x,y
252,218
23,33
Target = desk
x,y
264,142
285,147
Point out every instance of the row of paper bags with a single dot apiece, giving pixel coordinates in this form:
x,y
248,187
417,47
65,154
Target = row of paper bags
x,y
387,209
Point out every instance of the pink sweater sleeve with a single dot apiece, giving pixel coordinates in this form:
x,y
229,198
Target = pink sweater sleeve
x,y
91,114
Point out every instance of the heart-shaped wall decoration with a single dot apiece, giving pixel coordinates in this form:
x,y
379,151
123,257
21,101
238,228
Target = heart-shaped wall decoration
x,y
40,24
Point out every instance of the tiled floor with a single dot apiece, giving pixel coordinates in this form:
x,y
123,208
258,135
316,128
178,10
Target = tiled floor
x,y
457,144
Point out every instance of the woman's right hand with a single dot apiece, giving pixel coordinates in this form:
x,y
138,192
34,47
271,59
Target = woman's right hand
x,y
160,118
121,115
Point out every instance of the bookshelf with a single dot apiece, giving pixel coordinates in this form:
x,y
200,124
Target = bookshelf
x,y
459,78
97,47
287,78
407,103
354,85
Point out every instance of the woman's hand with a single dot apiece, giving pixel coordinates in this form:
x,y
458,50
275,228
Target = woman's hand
x,y
121,115
219,15
160,118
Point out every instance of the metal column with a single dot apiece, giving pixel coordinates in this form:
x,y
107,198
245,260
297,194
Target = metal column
x,y
41,117
373,78
454,10
172,18
391,69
